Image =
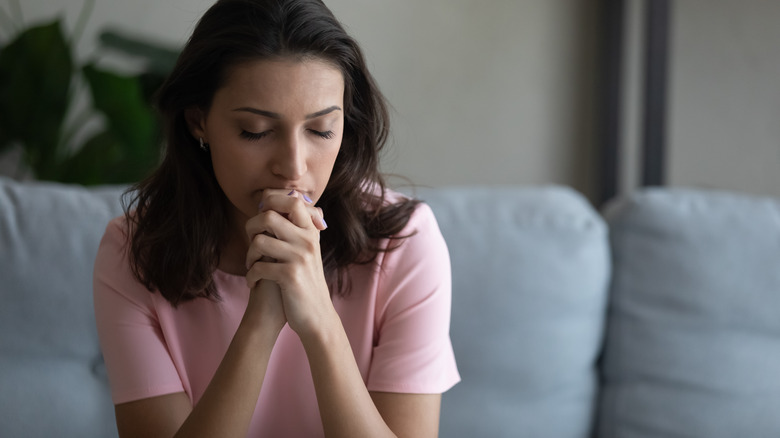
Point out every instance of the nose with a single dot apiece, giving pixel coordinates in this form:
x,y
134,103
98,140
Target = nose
x,y
290,158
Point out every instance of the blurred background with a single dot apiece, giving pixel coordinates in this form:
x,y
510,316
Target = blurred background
x,y
489,92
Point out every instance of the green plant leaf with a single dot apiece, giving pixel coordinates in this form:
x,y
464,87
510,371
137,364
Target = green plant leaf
x,y
160,60
130,119
35,76
94,162
150,83
103,160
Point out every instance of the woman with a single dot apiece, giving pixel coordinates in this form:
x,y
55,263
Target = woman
x,y
226,305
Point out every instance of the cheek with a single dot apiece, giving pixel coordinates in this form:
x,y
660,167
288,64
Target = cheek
x,y
328,160
325,164
232,160
224,167
232,172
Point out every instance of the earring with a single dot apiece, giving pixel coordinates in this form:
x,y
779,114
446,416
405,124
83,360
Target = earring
x,y
203,146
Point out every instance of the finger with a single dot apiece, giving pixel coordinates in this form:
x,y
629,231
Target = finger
x,y
310,215
295,206
318,218
259,249
255,272
313,212
260,224
265,248
274,225
265,221
316,213
265,269
297,213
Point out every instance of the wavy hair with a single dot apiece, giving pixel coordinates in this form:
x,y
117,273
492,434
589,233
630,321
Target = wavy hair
x,y
178,220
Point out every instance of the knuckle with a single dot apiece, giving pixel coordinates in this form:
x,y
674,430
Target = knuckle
x,y
285,269
310,247
258,239
298,258
252,277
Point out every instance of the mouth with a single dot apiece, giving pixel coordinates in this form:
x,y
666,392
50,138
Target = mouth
x,y
306,194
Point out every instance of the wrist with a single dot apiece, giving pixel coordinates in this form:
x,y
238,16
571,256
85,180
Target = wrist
x,y
256,333
325,332
264,309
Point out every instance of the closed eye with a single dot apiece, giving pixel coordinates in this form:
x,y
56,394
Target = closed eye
x,y
253,136
324,134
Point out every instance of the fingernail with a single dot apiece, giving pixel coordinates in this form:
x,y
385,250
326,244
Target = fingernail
x,y
307,199
292,192
324,224
260,205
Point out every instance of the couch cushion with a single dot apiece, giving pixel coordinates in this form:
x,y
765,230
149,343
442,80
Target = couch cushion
x,y
693,344
51,372
530,276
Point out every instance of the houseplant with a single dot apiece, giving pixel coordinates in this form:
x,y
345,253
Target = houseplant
x,y
40,80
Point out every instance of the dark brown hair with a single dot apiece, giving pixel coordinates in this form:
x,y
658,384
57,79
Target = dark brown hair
x,y
178,216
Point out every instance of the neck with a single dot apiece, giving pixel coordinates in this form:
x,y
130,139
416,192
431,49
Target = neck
x,y
232,255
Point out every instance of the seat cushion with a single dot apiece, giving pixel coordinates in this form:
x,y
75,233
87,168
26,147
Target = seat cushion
x,y
530,275
693,341
51,372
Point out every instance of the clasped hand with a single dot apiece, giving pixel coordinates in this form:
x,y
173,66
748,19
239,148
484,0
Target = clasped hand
x,y
284,261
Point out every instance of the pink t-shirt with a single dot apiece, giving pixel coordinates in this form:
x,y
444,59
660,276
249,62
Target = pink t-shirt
x,y
397,319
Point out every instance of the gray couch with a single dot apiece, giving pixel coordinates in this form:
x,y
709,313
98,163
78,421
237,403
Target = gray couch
x,y
659,318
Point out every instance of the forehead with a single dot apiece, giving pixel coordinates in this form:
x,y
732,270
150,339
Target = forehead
x,y
282,83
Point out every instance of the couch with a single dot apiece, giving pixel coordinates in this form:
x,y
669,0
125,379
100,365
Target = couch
x,y
657,316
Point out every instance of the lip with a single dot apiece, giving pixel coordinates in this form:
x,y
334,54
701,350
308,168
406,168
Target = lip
x,y
286,190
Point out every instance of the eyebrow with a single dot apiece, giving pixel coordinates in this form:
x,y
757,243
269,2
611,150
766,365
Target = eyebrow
x,y
274,115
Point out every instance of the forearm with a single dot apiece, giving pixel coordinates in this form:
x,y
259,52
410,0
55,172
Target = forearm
x,y
227,406
345,405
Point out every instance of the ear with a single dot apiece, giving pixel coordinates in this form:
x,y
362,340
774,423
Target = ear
x,y
196,122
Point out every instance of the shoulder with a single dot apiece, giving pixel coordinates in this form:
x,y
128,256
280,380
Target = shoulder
x,y
422,220
112,274
115,238
419,245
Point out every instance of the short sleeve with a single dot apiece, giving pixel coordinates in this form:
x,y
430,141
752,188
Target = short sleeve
x,y
413,352
137,359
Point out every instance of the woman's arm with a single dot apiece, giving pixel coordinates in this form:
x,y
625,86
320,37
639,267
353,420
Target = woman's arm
x,y
348,409
285,234
409,415
227,406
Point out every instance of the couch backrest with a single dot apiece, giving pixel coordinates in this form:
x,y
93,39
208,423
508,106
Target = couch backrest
x,y
530,274
52,381
530,278
693,343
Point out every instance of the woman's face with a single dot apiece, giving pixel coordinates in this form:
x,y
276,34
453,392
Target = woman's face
x,y
274,124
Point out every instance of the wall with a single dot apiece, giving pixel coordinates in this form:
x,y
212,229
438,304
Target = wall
x,y
498,92
503,91
725,98
169,20
724,95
